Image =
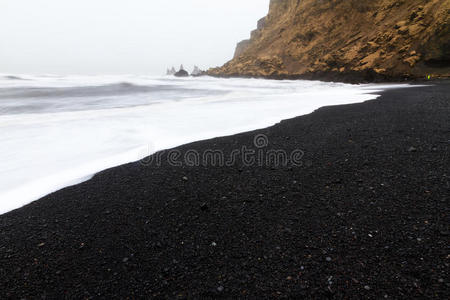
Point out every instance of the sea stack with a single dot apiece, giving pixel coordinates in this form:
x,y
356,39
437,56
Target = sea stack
x,y
171,71
197,71
182,72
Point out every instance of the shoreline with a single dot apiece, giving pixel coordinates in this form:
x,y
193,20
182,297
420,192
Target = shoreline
x,y
37,175
353,77
361,216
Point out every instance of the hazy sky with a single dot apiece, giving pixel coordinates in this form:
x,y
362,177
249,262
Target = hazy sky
x,y
121,36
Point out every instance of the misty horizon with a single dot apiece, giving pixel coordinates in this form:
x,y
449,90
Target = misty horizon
x,y
122,37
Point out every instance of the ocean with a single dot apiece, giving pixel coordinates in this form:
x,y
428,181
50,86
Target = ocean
x,y
56,131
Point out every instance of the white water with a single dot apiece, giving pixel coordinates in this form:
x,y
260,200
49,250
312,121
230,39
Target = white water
x,y
58,131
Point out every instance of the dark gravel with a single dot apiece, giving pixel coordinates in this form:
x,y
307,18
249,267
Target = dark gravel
x,y
366,215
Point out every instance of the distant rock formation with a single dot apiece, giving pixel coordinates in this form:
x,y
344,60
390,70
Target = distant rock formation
x,y
324,39
182,72
197,71
171,71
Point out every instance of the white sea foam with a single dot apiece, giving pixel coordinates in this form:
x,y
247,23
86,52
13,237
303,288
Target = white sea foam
x,y
58,131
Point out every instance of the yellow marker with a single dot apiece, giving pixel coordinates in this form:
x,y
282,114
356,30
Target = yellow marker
x,y
429,77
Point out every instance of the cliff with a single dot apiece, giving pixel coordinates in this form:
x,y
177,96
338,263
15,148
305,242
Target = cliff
x,y
347,40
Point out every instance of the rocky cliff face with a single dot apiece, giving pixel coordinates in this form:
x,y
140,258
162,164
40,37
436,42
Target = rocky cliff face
x,y
340,39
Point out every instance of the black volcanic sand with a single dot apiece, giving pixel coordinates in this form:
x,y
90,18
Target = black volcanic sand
x,y
365,216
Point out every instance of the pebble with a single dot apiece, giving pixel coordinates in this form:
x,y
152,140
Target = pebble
x,y
185,178
125,259
367,288
204,206
220,289
328,259
412,149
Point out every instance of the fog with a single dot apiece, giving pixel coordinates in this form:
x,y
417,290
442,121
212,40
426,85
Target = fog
x,y
121,36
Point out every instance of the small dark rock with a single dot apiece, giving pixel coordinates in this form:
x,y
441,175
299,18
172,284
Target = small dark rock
x,y
181,73
204,206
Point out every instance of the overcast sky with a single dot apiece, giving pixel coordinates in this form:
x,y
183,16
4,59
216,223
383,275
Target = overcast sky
x,y
121,36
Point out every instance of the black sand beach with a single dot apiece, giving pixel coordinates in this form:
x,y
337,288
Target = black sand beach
x,y
364,215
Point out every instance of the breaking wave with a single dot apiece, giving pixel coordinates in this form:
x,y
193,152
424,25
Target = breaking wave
x,y
57,131
122,88
12,77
